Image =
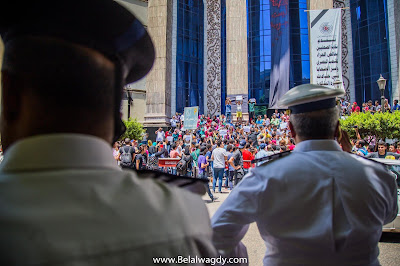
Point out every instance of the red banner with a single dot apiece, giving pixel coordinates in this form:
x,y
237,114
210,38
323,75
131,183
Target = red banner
x,y
168,162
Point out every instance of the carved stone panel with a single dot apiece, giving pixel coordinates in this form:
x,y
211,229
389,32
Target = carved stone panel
x,y
347,61
213,56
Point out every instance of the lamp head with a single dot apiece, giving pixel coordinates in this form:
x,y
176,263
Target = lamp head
x,y
381,83
338,84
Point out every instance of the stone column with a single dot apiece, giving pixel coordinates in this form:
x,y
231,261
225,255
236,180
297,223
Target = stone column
x,y
158,81
174,55
347,51
212,56
236,46
319,4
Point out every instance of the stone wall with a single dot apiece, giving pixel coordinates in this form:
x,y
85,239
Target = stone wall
x,y
319,4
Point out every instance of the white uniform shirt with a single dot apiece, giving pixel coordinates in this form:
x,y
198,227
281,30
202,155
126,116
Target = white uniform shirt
x,y
64,201
319,205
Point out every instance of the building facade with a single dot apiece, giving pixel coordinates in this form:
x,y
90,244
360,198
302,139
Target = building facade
x,y
207,50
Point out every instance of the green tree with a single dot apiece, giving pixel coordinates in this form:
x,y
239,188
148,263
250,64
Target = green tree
x,y
134,130
380,125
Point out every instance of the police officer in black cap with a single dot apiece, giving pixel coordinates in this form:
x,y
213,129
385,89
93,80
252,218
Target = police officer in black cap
x,y
64,201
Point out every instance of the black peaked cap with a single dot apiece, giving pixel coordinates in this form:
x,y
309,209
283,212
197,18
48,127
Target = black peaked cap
x,y
102,25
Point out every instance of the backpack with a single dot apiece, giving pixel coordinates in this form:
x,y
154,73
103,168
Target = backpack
x,y
152,163
126,157
182,165
194,156
236,160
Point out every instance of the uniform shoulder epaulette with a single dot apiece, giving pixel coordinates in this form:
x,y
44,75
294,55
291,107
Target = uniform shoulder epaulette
x,y
196,185
370,159
271,157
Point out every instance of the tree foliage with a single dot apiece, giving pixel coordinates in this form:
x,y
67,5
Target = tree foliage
x,y
134,130
380,125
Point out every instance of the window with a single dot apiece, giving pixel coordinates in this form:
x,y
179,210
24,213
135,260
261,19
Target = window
x,y
190,45
223,56
370,46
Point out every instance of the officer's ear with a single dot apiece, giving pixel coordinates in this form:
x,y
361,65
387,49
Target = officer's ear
x,y
11,96
292,131
338,131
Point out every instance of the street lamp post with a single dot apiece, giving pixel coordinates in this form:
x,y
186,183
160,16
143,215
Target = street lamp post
x,y
130,99
382,84
338,84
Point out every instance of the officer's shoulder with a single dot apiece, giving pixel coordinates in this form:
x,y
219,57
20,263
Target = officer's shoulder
x,y
372,161
272,158
195,185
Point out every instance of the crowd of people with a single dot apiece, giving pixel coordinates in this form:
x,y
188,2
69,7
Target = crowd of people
x,y
263,133
376,107
259,137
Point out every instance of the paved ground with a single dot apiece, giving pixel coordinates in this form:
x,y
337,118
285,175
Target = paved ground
x,y
389,246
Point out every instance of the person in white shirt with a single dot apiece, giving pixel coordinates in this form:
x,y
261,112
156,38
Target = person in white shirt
x,y
219,156
64,200
173,122
182,118
160,134
318,205
239,112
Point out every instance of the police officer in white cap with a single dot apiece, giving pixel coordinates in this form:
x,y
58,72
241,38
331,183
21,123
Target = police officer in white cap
x,y
63,198
318,205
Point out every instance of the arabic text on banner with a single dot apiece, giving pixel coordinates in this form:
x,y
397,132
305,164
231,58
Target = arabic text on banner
x,y
325,46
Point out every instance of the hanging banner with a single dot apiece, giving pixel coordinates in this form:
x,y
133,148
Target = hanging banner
x,y
325,46
280,51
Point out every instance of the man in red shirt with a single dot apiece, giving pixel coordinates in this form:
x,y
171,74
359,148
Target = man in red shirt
x,y
247,156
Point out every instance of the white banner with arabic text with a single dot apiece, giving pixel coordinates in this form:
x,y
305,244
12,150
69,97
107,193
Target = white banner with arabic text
x,y
325,46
